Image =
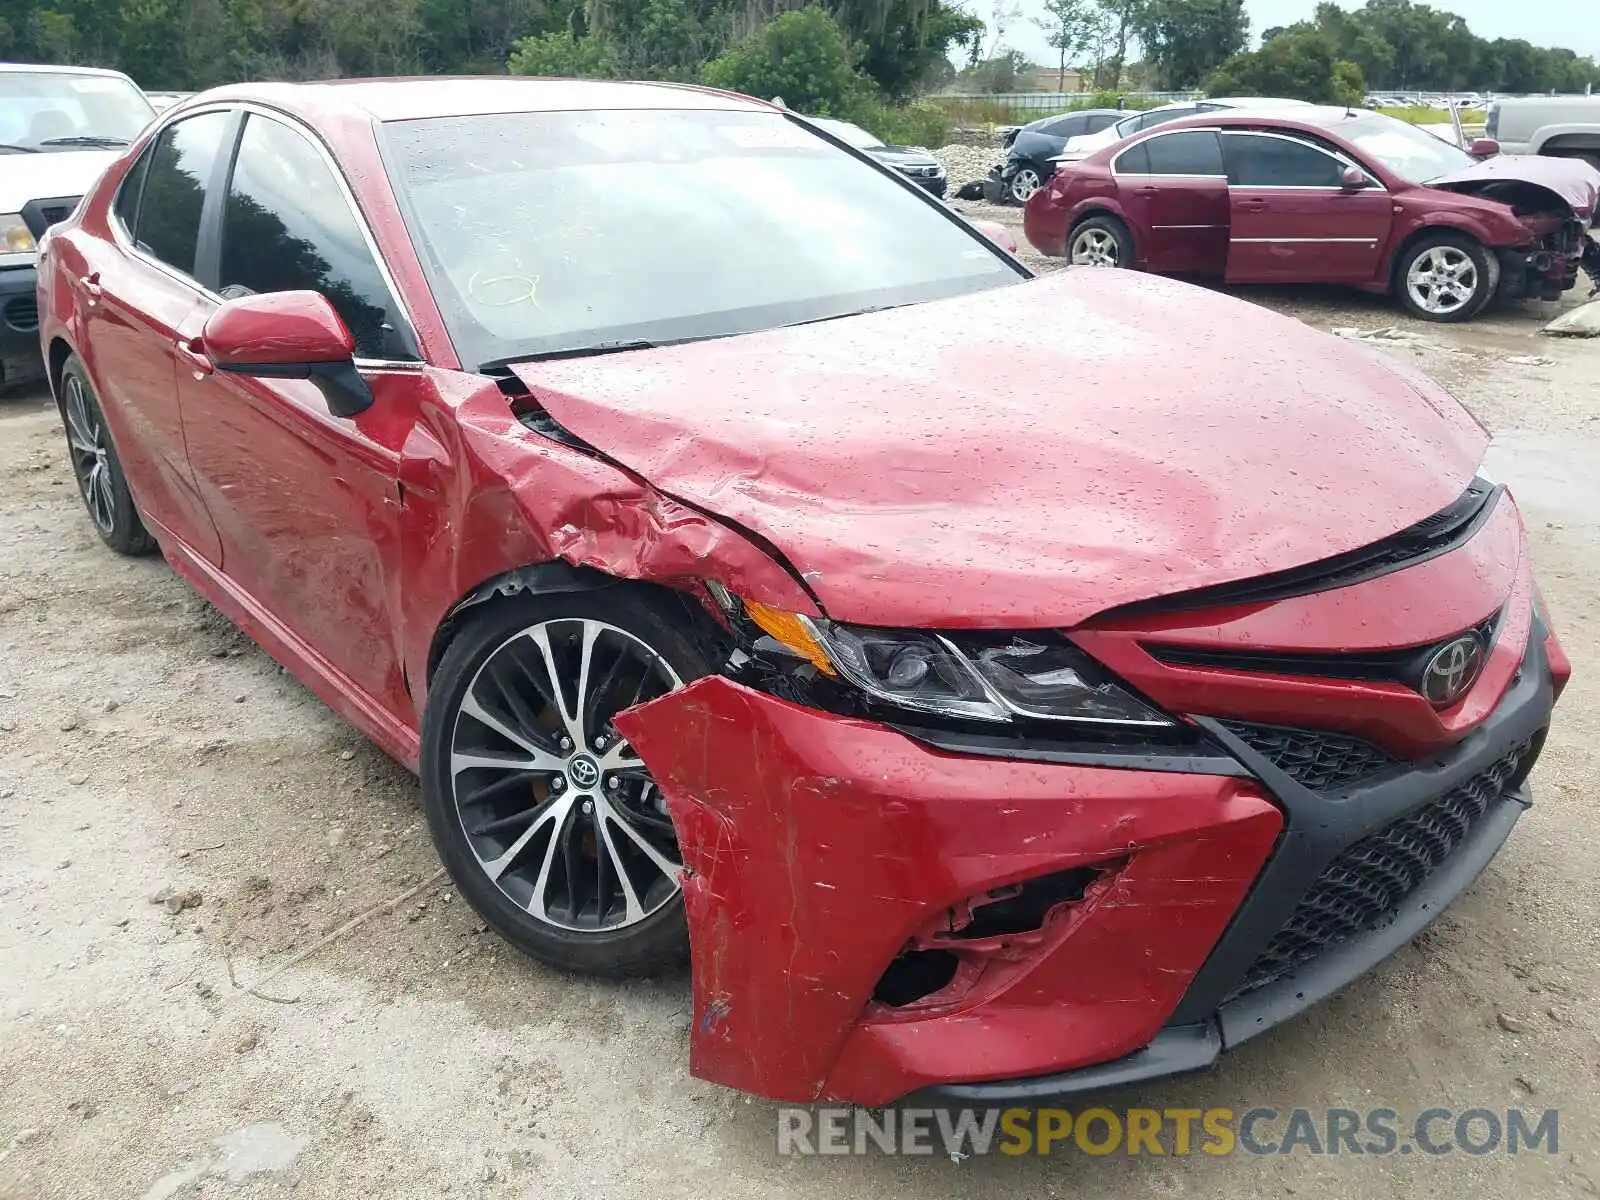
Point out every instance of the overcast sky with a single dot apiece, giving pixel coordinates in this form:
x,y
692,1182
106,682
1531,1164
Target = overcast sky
x,y
1571,23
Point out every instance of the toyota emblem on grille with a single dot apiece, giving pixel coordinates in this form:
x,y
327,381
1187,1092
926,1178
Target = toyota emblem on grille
x,y
1452,670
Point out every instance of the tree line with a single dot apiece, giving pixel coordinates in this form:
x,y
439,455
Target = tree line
x,y
861,59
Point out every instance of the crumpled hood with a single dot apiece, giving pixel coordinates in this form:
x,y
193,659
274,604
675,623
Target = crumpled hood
x,y
1031,455
25,177
1574,180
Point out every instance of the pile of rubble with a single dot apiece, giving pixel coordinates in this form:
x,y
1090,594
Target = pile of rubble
x,y
964,163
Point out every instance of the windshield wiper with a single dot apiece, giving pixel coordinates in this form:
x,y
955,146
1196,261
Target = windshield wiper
x,y
19,149
86,140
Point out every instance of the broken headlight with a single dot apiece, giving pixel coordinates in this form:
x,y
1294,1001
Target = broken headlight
x,y
973,676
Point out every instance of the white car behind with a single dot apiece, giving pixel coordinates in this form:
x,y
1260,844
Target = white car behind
x,y
60,127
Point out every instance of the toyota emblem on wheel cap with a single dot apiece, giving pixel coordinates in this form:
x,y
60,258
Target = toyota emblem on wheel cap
x,y
585,772
1452,670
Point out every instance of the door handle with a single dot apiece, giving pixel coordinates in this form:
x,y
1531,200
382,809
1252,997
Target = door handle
x,y
194,355
1252,205
1147,191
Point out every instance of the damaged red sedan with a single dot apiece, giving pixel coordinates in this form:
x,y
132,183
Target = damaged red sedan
x,y
693,504
1328,195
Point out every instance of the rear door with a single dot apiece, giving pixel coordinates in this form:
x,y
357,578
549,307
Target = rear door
x,y
1292,217
135,293
1174,187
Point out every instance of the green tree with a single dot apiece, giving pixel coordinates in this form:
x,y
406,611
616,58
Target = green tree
x,y
1185,40
800,55
1298,64
1068,26
562,55
1114,27
909,50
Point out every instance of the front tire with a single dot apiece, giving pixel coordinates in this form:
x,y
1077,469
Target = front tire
x,y
1446,277
548,823
96,467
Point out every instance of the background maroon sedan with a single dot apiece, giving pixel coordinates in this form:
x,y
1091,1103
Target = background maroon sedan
x,y
1326,195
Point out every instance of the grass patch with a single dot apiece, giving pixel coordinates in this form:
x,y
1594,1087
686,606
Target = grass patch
x,y
1435,116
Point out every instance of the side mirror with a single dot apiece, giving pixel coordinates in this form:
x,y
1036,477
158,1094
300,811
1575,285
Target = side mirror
x,y
1483,148
289,335
998,234
1353,179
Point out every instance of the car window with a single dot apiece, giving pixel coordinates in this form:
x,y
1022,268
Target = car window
x,y
539,238
1098,122
127,205
1063,127
1157,116
286,225
1187,152
175,187
1256,160
1135,160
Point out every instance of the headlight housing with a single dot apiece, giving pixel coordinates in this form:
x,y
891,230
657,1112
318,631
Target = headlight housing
x,y
990,677
15,236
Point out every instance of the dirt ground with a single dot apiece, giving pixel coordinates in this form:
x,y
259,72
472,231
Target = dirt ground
x,y
146,745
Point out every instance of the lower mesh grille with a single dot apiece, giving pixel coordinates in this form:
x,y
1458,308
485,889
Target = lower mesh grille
x,y
1319,761
1364,886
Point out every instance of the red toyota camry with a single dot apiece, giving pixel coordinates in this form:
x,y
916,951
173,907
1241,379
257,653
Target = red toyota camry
x,y
1332,196
692,503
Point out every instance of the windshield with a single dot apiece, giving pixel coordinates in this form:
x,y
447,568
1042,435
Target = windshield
x,y
850,135
1409,152
46,111
552,232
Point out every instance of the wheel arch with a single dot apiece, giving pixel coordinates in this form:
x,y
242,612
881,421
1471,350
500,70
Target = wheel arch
x,y
1448,226
1101,207
555,577
55,362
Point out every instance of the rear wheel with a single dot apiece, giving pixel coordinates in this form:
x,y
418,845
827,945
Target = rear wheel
x,y
548,822
96,467
1446,277
1101,241
1024,184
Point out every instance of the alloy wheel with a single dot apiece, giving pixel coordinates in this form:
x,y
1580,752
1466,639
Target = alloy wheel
x,y
558,810
1024,184
1442,280
1094,248
87,438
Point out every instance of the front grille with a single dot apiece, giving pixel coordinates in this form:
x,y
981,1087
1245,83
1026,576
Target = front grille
x,y
22,314
1362,888
1323,762
1405,666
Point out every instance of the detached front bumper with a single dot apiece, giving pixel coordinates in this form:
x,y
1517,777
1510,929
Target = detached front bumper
x,y
872,918
20,357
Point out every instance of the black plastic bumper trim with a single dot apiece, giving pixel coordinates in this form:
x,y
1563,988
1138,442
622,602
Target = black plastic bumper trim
x,y
1175,1051
1183,1049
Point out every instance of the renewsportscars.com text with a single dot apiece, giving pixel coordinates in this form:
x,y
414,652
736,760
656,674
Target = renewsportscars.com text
x,y
962,1133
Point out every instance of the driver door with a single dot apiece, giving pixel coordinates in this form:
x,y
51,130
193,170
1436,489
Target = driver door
x,y
305,503
1293,218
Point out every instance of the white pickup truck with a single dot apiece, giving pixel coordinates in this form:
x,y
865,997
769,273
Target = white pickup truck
x,y
59,128
1558,126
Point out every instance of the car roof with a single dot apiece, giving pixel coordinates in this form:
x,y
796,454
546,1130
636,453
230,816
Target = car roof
x,y
1257,102
1077,112
1321,116
443,96
49,69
